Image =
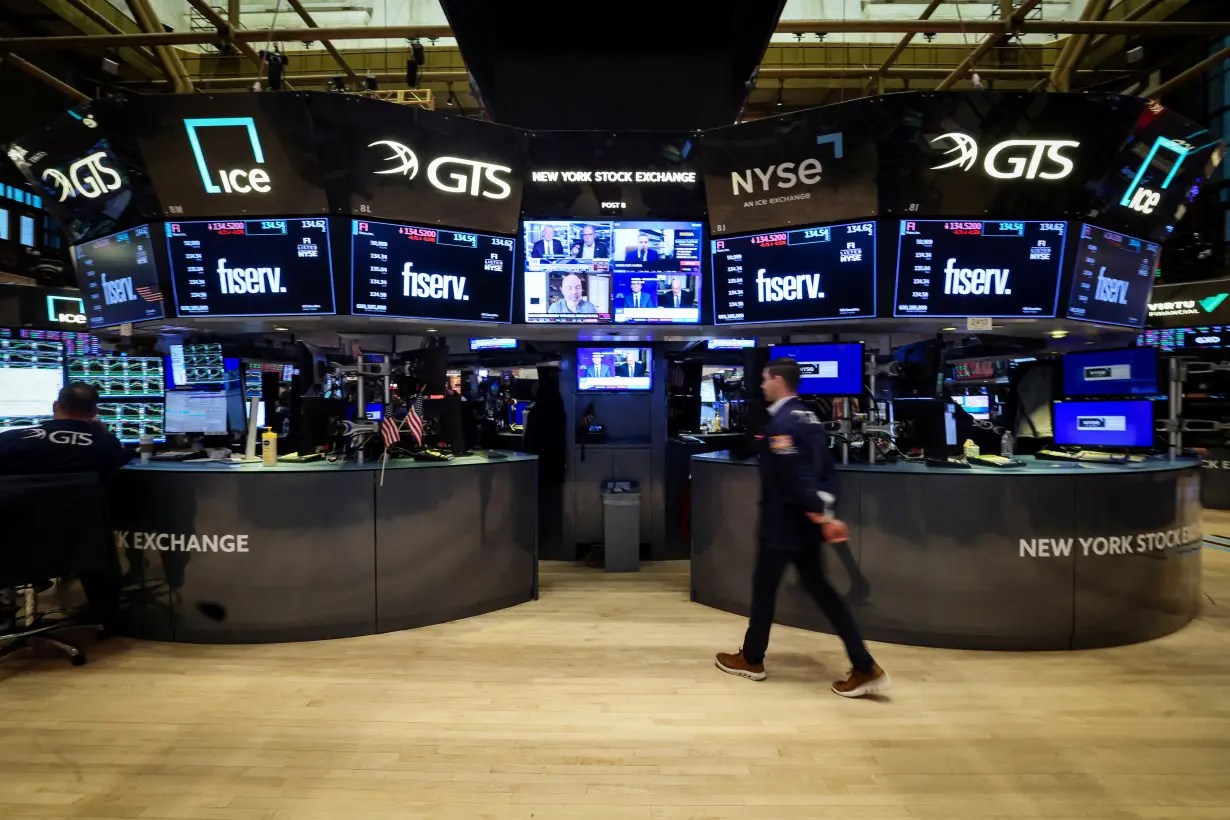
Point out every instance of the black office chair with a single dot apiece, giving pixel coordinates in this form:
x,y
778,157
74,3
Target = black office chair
x,y
53,526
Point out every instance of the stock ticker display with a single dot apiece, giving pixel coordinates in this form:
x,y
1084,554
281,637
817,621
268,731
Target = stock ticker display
x,y
1113,278
31,375
1186,338
998,269
800,275
118,278
132,390
254,267
416,272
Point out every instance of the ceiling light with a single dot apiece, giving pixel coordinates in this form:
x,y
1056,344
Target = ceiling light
x,y
280,327
1058,334
947,329
432,330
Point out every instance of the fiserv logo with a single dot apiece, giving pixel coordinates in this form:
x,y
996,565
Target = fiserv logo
x,y
960,281
787,288
423,285
236,180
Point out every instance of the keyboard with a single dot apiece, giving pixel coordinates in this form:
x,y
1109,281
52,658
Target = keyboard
x,y
432,455
1101,458
950,462
1056,455
295,458
178,455
996,461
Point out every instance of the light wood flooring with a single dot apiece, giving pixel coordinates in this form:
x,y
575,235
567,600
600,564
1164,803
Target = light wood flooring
x,y
601,701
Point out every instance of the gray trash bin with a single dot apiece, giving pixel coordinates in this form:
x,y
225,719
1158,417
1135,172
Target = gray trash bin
x,y
621,530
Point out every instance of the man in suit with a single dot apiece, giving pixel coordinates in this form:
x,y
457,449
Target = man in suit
x,y
574,300
638,298
798,488
597,370
642,252
591,248
630,367
676,297
548,245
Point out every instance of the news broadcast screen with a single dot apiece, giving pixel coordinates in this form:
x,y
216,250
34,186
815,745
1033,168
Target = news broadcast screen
x,y
611,271
1130,372
997,269
614,369
791,276
420,272
730,344
493,344
826,370
253,267
1113,278
1104,423
118,278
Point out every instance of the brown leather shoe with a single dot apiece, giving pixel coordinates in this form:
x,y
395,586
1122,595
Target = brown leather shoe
x,y
736,664
859,684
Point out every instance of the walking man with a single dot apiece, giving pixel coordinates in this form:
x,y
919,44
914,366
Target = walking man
x,y
798,488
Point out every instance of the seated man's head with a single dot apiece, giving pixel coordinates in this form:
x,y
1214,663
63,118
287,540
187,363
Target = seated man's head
x,y
77,401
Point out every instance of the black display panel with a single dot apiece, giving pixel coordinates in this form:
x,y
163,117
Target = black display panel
x,y
1112,278
415,272
118,278
255,267
998,269
802,275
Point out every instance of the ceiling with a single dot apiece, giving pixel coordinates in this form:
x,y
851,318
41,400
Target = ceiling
x,y
506,59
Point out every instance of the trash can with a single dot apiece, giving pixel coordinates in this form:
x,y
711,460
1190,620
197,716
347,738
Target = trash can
x,y
621,529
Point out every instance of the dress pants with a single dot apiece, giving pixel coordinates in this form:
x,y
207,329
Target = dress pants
x,y
770,566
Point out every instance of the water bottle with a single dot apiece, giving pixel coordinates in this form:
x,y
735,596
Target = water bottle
x,y
1005,444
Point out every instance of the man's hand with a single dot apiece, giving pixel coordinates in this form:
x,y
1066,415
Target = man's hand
x,y
833,530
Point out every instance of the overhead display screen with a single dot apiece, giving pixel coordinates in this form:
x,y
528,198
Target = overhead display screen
x,y
793,276
255,267
996,269
118,278
826,370
1104,423
1113,278
1111,373
415,272
603,271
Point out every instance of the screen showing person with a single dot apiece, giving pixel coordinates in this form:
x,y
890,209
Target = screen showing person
x,y
645,247
674,292
590,245
579,294
547,243
623,368
636,292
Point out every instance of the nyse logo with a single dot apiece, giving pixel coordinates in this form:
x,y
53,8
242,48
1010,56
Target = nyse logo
x,y
782,175
975,281
461,176
89,177
233,180
1109,424
118,291
789,288
1111,290
240,281
422,285
1010,159
494,263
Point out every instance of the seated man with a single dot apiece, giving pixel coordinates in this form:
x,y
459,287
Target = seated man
x,y
676,297
574,300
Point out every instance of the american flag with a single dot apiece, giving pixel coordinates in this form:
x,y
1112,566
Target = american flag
x,y
389,431
149,294
414,420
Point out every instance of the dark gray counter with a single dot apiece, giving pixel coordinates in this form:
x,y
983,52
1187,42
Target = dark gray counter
x,y
1031,558
311,551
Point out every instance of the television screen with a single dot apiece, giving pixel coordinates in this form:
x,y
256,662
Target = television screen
x,y
1113,278
796,276
493,344
827,370
1104,423
731,344
130,420
977,406
611,271
415,272
196,365
31,375
614,368
118,278
120,377
75,344
1186,338
992,268
254,267
1111,373
197,411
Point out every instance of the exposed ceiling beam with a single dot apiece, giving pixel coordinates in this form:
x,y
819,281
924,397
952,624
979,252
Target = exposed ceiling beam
x,y
1190,74
206,81
141,59
1135,14
147,19
333,52
229,34
1006,26
45,78
1074,47
899,49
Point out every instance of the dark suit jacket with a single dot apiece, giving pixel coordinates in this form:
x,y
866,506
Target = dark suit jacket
x,y
667,299
647,300
797,472
634,255
540,250
638,370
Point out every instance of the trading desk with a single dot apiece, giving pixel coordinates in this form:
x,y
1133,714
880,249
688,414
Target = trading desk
x,y
1048,556
251,554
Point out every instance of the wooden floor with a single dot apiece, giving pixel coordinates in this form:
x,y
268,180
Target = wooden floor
x,y
601,701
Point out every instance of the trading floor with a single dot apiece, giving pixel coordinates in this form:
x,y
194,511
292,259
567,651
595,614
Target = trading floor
x,y
601,701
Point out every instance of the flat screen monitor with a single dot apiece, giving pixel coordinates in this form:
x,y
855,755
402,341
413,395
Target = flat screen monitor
x,y
730,344
196,365
374,411
977,406
614,368
1104,423
31,376
1186,338
493,344
75,343
197,411
1111,373
119,278
1112,278
809,274
130,420
613,271
827,370
252,267
992,268
418,272
120,377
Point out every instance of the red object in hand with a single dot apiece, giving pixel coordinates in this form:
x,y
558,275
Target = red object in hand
x,y
835,531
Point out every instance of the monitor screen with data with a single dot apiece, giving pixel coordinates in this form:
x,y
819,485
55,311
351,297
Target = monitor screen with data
x,y
1112,278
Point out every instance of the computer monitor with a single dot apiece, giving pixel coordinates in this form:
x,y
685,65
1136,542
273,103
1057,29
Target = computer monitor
x,y
374,411
930,424
827,369
31,375
1104,423
1130,372
197,411
978,406
730,344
